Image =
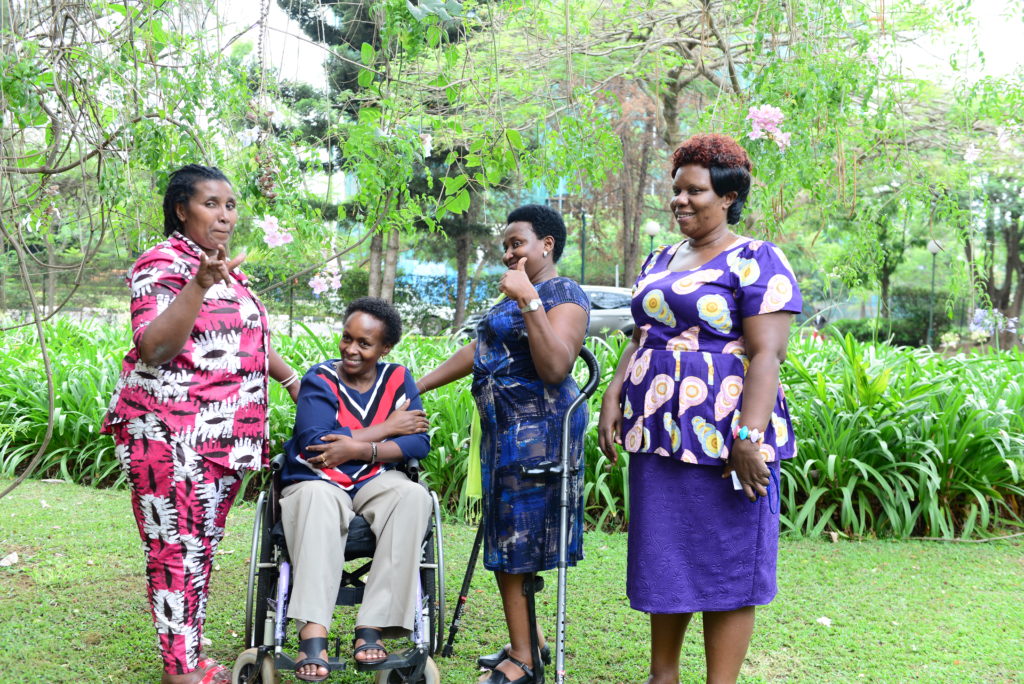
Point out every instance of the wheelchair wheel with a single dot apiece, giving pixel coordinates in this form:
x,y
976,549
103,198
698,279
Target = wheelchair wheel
x,y
261,577
248,671
431,675
432,578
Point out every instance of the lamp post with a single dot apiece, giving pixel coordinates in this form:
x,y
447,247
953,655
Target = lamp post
x,y
583,247
652,228
934,247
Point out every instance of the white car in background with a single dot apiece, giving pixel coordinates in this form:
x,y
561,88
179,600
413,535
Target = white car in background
x,y
609,312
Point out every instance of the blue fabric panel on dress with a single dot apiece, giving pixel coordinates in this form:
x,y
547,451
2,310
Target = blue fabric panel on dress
x,y
521,426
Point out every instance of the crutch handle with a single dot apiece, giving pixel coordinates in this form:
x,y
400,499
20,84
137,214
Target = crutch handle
x,y
593,372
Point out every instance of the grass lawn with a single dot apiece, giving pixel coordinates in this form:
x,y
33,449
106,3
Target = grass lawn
x,y
73,609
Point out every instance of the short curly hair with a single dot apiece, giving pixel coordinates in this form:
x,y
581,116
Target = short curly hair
x,y
181,186
544,221
383,312
727,162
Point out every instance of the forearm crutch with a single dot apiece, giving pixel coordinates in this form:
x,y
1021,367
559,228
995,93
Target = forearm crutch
x,y
460,606
563,524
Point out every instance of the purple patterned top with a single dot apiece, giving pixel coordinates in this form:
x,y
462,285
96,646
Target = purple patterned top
x,y
684,384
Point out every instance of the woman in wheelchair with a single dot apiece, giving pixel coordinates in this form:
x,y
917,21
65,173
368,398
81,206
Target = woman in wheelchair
x,y
356,418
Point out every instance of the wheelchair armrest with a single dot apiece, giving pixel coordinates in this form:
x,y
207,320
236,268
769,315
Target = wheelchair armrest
x,y
277,463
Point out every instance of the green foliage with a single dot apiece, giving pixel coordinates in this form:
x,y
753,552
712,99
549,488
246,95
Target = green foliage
x,y
897,441
892,441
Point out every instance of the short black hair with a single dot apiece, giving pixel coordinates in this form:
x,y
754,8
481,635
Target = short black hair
x,y
545,221
180,188
383,312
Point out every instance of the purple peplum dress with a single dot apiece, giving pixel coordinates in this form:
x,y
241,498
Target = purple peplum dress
x,y
695,543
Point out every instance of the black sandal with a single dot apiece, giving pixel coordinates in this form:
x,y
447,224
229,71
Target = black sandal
x,y
499,677
371,642
313,645
489,662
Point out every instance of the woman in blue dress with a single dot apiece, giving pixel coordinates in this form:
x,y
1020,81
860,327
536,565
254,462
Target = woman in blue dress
x,y
696,401
521,361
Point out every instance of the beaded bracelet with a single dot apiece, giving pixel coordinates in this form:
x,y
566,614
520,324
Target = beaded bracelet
x,y
745,432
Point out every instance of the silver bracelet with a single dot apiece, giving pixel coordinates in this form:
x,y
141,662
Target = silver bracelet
x,y
290,380
373,452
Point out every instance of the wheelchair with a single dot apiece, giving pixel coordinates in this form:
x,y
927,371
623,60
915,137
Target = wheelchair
x,y
266,605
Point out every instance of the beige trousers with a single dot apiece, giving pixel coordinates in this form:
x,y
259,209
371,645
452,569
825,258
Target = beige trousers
x,y
316,515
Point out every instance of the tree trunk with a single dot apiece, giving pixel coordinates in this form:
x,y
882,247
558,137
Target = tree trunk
x,y
387,285
376,250
463,247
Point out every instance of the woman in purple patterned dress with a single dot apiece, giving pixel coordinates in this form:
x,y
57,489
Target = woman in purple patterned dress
x,y
189,414
696,401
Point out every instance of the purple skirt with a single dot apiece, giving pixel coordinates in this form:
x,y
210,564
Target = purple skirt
x,y
696,544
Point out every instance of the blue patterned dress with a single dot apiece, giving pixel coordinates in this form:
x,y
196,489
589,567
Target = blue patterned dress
x,y
696,544
521,426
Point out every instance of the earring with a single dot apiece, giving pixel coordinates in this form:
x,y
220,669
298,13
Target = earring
x,y
545,255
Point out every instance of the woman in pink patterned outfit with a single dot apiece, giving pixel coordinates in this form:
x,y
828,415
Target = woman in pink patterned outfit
x,y
190,409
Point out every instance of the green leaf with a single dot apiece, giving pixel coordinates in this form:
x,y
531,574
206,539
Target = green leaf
x,y
365,78
515,139
367,54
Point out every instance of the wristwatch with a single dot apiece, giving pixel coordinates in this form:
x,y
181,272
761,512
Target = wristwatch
x,y
531,305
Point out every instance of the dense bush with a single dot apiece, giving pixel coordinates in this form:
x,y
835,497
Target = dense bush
x,y
892,441
905,333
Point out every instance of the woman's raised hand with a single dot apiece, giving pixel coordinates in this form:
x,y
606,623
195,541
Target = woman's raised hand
x,y
217,269
402,421
516,285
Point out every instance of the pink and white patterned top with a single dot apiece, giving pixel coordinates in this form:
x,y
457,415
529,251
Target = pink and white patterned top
x,y
213,394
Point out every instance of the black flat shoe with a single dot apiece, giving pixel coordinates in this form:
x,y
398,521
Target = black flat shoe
x,y
489,662
499,677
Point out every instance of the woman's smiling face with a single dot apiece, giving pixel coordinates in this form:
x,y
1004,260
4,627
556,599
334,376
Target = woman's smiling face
x,y
696,207
519,240
362,345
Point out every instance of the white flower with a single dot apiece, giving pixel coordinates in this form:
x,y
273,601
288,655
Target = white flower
x,y
971,154
249,136
824,621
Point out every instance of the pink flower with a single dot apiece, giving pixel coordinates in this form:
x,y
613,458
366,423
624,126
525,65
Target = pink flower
x,y
765,117
318,284
273,234
764,123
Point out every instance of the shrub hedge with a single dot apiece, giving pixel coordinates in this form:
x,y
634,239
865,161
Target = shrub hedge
x,y
893,441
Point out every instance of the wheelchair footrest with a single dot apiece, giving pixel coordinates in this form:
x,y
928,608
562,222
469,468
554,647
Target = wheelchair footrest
x,y
283,661
396,661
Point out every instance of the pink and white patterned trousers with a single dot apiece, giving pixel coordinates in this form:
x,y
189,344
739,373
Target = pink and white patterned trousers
x,y
181,502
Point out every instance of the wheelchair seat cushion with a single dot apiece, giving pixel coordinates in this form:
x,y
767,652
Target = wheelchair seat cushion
x,y
360,544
